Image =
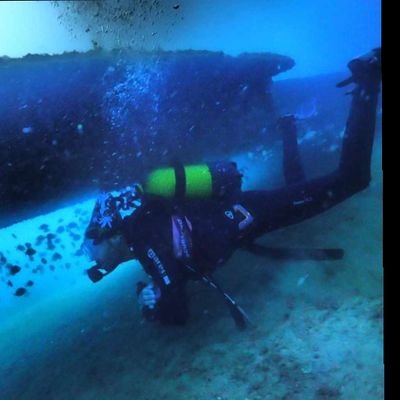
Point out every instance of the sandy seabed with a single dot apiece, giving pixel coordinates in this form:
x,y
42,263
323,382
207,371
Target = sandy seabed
x,y
316,333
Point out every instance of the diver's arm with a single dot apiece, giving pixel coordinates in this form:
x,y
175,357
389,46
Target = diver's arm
x,y
168,285
148,295
167,305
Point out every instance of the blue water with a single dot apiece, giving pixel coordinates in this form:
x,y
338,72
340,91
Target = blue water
x,y
322,36
74,124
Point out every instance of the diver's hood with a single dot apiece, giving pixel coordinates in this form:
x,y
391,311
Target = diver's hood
x,y
111,211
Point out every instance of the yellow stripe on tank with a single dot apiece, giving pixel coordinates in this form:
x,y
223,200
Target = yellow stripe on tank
x,y
198,181
161,182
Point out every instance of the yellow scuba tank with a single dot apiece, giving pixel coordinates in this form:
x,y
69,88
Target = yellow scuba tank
x,y
212,180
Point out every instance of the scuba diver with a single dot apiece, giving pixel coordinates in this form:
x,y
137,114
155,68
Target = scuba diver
x,y
185,221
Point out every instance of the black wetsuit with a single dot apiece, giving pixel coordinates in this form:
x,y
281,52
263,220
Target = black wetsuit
x,y
207,232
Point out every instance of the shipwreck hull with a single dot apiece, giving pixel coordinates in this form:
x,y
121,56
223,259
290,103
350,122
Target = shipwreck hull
x,y
102,119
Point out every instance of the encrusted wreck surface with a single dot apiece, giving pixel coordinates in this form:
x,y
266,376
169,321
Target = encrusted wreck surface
x,y
100,118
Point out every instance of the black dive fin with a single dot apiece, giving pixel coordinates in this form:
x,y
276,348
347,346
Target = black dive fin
x,y
285,253
239,316
345,82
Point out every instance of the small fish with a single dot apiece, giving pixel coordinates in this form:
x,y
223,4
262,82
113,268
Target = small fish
x,y
9,283
29,283
75,236
14,269
44,227
302,280
14,235
20,247
176,6
27,244
20,292
39,240
50,236
30,251
307,110
56,256
43,260
60,229
72,225
79,253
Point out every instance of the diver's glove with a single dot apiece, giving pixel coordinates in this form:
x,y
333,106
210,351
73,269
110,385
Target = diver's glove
x,y
148,295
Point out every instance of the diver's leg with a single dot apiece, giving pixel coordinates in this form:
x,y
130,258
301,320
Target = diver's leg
x,y
358,138
274,209
278,208
292,168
